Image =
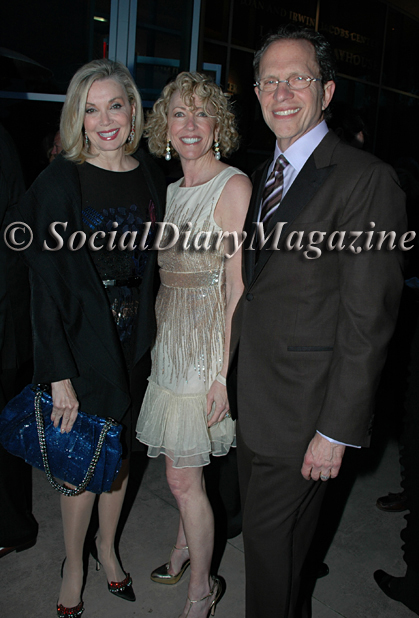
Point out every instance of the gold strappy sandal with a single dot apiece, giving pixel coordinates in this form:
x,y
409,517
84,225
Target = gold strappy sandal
x,y
162,576
217,590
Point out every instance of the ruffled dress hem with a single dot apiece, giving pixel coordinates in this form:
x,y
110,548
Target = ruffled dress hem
x,y
175,425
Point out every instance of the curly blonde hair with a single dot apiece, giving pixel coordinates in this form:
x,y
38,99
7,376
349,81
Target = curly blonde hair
x,y
74,109
189,85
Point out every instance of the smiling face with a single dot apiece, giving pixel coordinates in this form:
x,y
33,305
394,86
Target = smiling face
x,y
107,121
292,113
191,130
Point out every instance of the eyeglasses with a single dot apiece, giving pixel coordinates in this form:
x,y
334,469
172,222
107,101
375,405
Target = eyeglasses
x,y
296,82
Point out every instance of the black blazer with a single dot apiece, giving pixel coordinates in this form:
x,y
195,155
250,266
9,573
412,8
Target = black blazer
x,y
74,332
15,330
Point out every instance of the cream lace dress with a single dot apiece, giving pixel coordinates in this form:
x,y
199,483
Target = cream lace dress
x,y
188,352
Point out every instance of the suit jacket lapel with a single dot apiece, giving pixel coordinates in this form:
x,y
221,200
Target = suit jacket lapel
x,y
302,190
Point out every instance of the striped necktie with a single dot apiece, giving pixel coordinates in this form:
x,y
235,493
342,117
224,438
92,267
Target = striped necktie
x,y
272,193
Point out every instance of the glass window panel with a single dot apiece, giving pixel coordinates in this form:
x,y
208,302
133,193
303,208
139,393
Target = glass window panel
x,y
164,14
152,74
356,35
257,140
216,54
402,47
240,86
32,125
397,116
162,45
60,36
101,20
354,104
254,19
216,20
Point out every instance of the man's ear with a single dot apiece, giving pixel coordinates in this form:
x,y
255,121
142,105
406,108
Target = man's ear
x,y
328,92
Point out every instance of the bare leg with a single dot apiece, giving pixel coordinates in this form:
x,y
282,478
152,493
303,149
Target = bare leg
x,y
180,554
197,529
76,512
110,505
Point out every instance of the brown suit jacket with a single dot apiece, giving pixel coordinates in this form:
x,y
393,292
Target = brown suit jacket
x,y
309,336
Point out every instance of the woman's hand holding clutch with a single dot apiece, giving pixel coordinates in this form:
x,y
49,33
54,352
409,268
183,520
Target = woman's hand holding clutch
x,y
65,405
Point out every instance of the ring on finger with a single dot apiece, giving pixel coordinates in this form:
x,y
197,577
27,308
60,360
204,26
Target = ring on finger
x,y
227,415
324,477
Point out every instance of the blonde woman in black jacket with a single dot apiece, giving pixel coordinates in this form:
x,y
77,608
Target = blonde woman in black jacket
x,y
93,308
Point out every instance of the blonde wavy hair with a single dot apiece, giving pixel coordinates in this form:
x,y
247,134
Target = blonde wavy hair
x,y
74,109
215,103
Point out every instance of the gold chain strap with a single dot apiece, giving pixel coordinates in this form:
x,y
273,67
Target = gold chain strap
x,y
40,425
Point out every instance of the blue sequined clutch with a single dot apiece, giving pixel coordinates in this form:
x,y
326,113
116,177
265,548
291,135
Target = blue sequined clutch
x,y
89,456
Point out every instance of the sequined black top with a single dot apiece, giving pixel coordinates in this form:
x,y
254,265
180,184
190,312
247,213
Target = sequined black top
x,y
119,205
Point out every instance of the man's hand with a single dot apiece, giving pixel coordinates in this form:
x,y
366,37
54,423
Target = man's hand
x,y
322,459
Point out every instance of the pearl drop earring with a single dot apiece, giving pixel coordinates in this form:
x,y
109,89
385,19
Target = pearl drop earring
x,y
168,154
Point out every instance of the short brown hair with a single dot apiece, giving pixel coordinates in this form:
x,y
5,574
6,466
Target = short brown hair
x,y
323,51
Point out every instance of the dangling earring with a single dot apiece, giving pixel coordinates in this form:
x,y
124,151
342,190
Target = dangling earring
x,y
168,154
86,141
132,132
217,153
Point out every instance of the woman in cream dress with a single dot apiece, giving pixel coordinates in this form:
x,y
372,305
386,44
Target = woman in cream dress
x,y
185,410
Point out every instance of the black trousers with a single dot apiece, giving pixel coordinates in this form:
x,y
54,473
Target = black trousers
x,y
280,513
17,524
409,459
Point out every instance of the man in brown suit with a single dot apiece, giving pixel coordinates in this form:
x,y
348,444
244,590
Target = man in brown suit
x,y
310,333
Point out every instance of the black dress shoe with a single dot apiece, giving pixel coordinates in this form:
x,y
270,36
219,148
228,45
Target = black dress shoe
x,y
393,503
316,570
322,571
395,588
8,550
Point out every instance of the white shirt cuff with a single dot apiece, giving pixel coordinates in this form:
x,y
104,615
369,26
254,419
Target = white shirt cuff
x,y
337,441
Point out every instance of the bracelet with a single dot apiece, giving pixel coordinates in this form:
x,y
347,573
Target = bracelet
x,y
221,379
